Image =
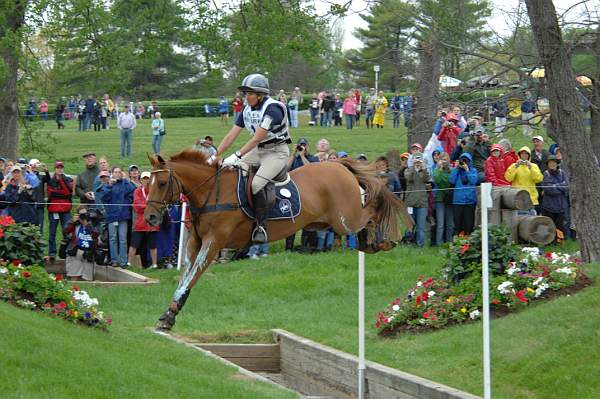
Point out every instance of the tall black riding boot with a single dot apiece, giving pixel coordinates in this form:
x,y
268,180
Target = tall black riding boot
x,y
261,210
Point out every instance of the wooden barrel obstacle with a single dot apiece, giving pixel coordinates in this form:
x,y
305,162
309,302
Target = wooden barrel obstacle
x,y
506,204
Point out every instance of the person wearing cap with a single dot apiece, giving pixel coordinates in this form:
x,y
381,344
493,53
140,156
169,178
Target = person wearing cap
x,y
60,192
417,178
158,132
19,197
117,196
206,146
479,147
555,186
414,148
342,154
361,157
495,167
449,133
133,173
301,155
39,194
442,200
142,233
126,123
237,105
539,154
403,166
370,101
525,174
464,178
84,188
528,109
83,237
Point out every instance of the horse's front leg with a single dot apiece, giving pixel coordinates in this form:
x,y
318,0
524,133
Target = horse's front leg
x,y
202,258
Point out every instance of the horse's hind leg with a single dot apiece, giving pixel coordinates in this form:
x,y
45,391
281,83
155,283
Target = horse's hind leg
x,y
202,256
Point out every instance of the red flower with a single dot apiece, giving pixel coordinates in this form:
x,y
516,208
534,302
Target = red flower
x,y
548,255
16,262
62,305
378,324
495,301
418,300
75,287
58,277
578,261
428,282
6,221
545,271
1,233
70,312
521,295
425,296
26,274
427,314
433,318
465,248
47,305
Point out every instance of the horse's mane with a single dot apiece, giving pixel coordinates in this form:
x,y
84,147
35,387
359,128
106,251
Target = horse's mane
x,y
190,155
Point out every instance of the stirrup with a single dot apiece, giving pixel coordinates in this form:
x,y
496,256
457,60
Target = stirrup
x,y
259,235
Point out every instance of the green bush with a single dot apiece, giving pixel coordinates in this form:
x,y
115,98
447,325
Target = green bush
x,y
20,241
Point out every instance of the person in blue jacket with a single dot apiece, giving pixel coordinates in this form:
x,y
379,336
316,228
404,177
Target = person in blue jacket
x,y
556,189
117,196
464,180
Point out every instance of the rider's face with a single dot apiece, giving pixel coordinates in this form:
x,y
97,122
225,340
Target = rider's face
x,y
251,98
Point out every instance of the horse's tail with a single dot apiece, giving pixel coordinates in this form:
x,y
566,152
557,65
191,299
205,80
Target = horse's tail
x,y
388,206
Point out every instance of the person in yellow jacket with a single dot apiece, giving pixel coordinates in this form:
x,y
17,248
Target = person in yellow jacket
x,y
525,174
381,104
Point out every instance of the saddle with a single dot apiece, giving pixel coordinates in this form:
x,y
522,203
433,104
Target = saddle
x,y
283,194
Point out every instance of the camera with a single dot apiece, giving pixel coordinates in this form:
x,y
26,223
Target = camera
x,y
461,162
300,147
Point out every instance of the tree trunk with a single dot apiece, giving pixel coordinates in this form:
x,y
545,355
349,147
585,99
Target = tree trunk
x,y
10,44
425,105
595,133
569,133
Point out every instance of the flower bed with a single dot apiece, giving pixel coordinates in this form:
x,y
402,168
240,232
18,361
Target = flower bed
x,y
20,241
33,288
455,296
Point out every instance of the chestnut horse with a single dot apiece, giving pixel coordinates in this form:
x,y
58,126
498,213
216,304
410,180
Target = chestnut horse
x,y
330,193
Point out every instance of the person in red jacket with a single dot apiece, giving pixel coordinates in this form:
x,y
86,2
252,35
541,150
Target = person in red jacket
x,y
142,232
449,133
60,191
495,166
510,156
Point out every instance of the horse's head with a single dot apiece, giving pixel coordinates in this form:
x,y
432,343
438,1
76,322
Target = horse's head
x,y
164,189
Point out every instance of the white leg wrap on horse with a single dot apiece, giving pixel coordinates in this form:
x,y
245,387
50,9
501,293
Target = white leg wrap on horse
x,y
190,272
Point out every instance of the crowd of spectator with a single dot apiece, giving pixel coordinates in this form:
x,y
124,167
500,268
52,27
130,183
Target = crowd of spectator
x,y
108,225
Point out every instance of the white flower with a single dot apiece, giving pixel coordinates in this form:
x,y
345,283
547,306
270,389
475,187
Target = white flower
x,y
531,251
511,270
389,320
540,290
84,299
3,270
422,321
474,314
395,308
565,270
504,287
26,303
419,283
431,293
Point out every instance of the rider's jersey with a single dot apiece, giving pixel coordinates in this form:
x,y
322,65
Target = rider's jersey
x,y
269,114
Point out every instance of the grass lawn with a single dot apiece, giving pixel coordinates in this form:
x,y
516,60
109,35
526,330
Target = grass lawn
x,y
551,350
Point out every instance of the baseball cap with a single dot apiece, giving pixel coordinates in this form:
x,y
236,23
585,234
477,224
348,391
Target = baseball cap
x,y
59,163
34,161
552,158
419,146
479,130
342,154
146,174
2,159
540,138
22,161
132,167
302,140
16,167
103,173
87,154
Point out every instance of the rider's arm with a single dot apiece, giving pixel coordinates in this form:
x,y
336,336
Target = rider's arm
x,y
259,136
229,139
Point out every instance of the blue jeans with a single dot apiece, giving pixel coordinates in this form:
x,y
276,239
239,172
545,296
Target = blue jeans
x,y
125,142
258,249
349,121
327,118
44,116
117,240
324,239
156,140
64,218
294,117
87,121
444,222
313,115
420,216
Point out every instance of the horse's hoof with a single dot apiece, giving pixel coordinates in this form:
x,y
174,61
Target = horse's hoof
x,y
386,245
166,321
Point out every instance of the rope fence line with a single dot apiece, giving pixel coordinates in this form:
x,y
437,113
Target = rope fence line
x,y
177,205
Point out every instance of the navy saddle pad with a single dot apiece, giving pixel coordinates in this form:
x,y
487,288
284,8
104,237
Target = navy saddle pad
x,y
287,203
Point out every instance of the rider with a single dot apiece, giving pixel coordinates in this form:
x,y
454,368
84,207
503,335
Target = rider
x,y
267,121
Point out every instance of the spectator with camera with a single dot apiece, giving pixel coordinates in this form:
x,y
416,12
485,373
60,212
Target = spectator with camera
x,y
442,198
464,199
142,232
417,178
40,170
479,148
449,133
495,167
301,155
19,196
525,174
205,145
117,195
82,241
60,191
327,107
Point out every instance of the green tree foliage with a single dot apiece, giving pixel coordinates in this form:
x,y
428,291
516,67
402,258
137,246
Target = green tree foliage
x,y
385,43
